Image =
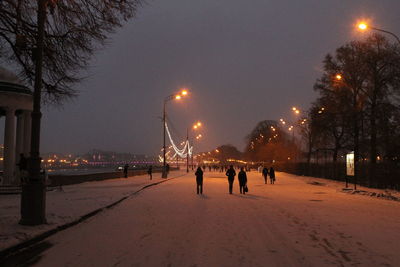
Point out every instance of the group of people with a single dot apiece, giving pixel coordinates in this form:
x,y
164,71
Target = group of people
x,y
149,171
230,173
271,174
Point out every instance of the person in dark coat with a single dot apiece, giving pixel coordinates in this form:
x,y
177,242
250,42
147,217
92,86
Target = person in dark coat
x,y
231,177
272,175
199,180
265,174
150,172
242,177
126,167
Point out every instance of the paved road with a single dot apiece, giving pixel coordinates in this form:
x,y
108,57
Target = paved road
x,y
291,223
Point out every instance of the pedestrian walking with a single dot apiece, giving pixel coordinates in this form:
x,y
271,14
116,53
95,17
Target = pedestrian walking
x,y
231,177
265,174
272,175
242,177
199,180
126,167
150,172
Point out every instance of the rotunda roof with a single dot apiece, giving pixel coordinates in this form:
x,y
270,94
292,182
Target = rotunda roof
x,y
9,82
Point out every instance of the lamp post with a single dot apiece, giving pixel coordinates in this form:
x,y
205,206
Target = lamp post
x,y
33,196
356,134
363,26
198,137
195,127
183,93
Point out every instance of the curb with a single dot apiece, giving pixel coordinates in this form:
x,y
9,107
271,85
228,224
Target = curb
x,y
6,253
385,196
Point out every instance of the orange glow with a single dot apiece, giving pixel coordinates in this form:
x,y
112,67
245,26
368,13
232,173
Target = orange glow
x,y
362,26
297,111
195,127
338,77
184,92
178,97
198,123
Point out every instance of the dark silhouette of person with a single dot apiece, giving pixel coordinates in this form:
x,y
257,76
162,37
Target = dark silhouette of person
x,y
242,177
199,180
231,177
265,174
272,175
126,167
150,172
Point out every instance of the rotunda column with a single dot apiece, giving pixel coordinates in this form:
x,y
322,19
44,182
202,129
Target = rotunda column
x,y
27,132
9,146
19,145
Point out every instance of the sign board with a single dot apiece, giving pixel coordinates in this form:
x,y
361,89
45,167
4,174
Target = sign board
x,y
350,164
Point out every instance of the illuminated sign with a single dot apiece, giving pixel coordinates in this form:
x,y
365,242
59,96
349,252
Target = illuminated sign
x,y
350,164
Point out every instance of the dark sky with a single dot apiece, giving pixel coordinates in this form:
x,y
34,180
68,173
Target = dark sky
x,y
243,61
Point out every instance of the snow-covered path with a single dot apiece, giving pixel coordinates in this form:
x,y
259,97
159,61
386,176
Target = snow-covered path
x,y
291,223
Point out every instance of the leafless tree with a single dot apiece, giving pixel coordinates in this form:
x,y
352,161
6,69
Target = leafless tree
x,y
73,30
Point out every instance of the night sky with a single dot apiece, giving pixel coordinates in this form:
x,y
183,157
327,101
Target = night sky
x,y
243,61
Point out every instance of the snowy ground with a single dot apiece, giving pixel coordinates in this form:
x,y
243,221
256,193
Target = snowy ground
x,y
67,205
291,223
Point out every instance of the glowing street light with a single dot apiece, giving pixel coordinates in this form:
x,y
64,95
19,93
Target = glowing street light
x,y
363,26
184,92
195,127
338,77
296,110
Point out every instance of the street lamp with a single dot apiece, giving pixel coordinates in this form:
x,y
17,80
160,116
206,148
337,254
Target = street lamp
x,y
356,98
183,93
296,110
195,127
33,195
363,26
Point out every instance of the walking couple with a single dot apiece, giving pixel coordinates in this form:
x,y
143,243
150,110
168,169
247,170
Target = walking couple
x,y
242,177
271,173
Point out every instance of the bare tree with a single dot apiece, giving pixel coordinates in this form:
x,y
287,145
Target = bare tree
x,y
73,30
49,42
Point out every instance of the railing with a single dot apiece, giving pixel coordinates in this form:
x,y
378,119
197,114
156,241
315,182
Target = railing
x,y
387,174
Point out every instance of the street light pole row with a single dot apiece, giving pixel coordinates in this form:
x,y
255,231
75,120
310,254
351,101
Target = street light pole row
x,y
183,93
195,127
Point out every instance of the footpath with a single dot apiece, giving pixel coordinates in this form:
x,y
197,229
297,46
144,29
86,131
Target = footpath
x,y
67,206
